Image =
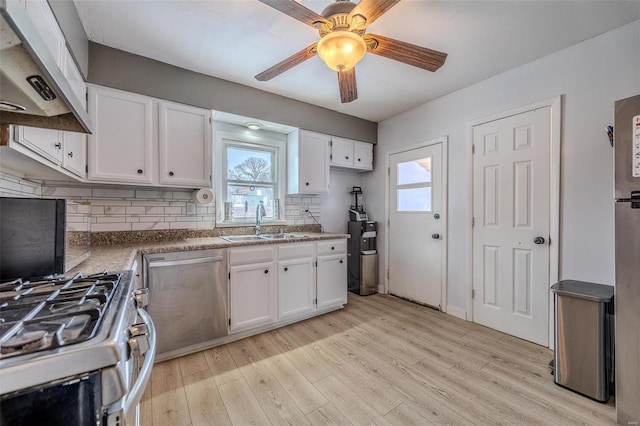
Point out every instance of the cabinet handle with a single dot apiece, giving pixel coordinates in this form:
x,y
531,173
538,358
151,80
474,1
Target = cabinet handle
x,y
70,154
307,184
359,159
58,145
346,157
266,271
139,171
286,269
333,248
170,173
340,260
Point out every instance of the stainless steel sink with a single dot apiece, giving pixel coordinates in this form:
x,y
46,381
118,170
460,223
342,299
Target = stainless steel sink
x,y
281,236
242,238
245,238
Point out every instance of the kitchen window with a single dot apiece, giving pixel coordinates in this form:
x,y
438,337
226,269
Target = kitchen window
x,y
250,173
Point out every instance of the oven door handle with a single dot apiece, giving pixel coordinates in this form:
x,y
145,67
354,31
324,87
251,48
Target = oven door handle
x,y
135,395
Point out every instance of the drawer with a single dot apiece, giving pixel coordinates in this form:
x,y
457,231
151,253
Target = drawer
x,y
242,256
327,248
296,251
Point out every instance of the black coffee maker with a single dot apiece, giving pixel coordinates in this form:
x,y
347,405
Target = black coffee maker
x,y
362,255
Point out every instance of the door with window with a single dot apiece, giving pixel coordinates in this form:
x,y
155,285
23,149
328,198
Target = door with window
x,y
415,225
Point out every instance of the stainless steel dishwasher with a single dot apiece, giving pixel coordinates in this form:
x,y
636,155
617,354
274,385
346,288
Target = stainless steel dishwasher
x,y
187,299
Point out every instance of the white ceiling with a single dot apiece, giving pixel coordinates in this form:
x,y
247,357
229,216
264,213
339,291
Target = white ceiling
x,y
236,39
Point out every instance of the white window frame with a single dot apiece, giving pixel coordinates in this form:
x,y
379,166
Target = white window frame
x,y
251,140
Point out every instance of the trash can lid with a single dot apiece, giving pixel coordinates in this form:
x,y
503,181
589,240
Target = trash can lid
x,y
584,290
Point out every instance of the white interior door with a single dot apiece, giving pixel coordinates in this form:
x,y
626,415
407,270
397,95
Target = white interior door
x,y
415,225
511,208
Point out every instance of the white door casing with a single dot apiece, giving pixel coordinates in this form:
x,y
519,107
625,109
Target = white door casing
x,y
416,237
513,177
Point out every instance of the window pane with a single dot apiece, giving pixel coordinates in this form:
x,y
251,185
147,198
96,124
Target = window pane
x,y
414,199
249,164
417,171
245,199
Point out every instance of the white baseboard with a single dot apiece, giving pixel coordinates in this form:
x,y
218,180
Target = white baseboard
x,y
457,312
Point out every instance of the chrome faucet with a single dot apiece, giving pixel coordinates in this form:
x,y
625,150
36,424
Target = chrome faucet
x,y
260,212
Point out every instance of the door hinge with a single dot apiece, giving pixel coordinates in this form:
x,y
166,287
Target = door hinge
x,y
330,143
473,222
315,302
229,321
86,169
315,263
229,275
388,171
473,149
330,156
473,294
210,120
388,276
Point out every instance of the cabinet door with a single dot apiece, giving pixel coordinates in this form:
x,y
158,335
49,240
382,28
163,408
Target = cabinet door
x,y
75,153
341,152
121,146
74,78
331,281
46,25
185,145
252,295
362,155
45,142
314,166
296,287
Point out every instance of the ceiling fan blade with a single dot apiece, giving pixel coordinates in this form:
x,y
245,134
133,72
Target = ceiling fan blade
x,y
296,11
348,86
407,53
372,9
290,62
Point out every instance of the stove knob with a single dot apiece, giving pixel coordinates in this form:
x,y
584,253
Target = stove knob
x,y
138,329
139,345
141,297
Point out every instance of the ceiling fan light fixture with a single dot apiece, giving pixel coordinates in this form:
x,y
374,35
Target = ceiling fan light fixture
x,y
253,125
341,50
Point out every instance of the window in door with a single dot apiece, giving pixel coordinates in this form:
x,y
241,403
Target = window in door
x,y
413,190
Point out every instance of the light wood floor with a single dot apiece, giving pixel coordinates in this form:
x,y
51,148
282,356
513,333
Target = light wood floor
x,y
380,360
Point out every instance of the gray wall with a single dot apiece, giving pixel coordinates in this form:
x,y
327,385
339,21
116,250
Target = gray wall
x,y
126,71
69,21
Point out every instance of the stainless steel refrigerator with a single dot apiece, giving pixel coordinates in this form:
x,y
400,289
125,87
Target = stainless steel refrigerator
x,y
627,254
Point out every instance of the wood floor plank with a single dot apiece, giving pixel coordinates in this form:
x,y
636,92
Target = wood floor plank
x,y
327,415
169,401
312,368
273,398
242,406
205,404
222,366
303,393
193,363
349,402
404,415
380,360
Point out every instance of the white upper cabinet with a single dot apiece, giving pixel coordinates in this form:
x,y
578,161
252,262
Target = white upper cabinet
x,y
145,141
74,158
185,145
44,142
347,153
121,146
45,23
307,162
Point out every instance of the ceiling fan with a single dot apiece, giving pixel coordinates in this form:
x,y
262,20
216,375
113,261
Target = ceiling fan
x,y
343,41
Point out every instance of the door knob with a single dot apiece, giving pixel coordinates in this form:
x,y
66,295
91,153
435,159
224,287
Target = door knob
x,y
538,240
435,236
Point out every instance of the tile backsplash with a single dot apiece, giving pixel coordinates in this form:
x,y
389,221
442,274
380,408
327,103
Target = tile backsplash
x,y
142,208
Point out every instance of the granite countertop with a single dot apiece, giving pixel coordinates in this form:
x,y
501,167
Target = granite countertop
x,y
116,257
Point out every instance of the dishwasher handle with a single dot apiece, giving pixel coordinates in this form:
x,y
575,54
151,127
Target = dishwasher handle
x,y
164,263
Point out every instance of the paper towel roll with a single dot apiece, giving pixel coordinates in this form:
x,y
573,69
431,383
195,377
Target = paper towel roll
x,y
204,196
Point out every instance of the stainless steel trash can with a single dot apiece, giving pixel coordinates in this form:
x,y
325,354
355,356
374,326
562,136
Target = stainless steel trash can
x,y
584,337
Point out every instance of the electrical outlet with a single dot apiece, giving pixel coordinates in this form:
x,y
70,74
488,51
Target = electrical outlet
x,y
191,208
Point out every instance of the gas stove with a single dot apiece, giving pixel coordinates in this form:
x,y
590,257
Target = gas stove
x,y
84,338
52,312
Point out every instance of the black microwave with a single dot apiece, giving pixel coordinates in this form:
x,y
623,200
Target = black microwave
x,y
32,237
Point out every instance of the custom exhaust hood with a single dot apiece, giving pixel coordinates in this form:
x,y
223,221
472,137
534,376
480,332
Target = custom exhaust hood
x,y
33,89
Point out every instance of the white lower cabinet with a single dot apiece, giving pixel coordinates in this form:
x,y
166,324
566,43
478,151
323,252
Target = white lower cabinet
x,y
331,273
296,279
252,287
276,284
